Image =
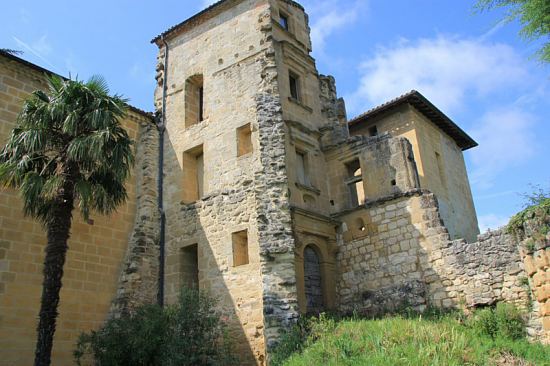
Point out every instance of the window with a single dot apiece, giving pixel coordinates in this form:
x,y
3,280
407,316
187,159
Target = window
x,y
240,248
244,140
189,266
302,168
373,131
283,21
355,183
294,83
193,174
194,100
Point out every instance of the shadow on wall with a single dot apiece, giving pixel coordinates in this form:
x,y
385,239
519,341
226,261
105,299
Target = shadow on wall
x,y
207,244
396,254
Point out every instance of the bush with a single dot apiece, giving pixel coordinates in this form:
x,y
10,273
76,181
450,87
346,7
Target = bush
x,y
188,333
504,321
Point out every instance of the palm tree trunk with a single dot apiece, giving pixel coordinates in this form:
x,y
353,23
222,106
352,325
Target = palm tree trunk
x,y
56,249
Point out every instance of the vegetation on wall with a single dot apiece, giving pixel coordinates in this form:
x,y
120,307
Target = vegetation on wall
x,y
489,336
534,16
536,216
67,149
188,333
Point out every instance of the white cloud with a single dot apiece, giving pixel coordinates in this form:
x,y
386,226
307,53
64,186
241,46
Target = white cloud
x,y
506,139
491,221
328,17
445,69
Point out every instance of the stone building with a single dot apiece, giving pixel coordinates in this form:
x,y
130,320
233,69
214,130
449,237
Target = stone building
x,y
255,187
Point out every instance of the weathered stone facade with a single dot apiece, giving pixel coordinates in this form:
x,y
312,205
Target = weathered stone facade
x,y
96,248
404,257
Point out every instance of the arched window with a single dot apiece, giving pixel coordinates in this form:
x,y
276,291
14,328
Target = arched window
x,y
313,281
194,100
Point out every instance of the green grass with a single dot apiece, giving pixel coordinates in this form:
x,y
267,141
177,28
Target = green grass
x,y
444,340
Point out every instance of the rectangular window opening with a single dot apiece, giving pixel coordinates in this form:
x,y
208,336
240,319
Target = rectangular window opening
x,y
244,140
294,82
283,21
189,266
193,174
355,183
194,100
302,168
240,248
373,131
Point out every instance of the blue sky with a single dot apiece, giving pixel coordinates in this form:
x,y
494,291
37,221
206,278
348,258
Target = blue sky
x,y
475,69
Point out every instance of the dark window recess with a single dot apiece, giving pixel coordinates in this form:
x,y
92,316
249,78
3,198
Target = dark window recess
x,y
294,86
189,266
201,103
283,21
393,182
373,131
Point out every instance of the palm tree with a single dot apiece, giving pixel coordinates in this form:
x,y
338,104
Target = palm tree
x,y
68,148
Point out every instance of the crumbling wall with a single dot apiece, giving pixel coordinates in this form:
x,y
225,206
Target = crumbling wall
x,y
276,241
396,254
138,279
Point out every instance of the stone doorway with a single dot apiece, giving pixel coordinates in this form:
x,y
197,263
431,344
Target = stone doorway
x,y
313,281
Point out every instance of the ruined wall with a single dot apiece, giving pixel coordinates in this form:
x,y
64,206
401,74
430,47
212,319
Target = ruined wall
x,y
387,167
447,179
139,273
397,254
96,249
534,244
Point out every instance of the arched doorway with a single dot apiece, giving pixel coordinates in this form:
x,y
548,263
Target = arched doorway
x,y
313,285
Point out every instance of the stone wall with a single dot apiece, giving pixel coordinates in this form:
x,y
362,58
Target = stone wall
x,y
534,240
138,278
396,253
96,248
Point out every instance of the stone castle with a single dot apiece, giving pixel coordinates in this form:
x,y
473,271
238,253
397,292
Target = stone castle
x,y
252,184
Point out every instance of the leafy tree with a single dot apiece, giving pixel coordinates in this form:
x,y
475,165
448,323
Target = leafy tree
x,y
534,15
67,148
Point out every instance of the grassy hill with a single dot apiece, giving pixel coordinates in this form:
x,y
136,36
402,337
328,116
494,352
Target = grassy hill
x,y
442,340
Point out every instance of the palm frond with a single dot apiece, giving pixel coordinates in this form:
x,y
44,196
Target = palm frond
x,y
69,137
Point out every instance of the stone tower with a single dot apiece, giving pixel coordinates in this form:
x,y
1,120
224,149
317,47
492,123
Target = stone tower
x,y
226,188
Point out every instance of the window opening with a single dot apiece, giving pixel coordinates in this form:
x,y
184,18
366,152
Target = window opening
x,y
283,21
189,266
193,175
294,82
355,183
373,131
194,100
240,248
244,140
302,168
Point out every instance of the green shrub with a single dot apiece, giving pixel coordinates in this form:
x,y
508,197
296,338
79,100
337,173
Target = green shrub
x,y
504,321
188,333
425,340
509,321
